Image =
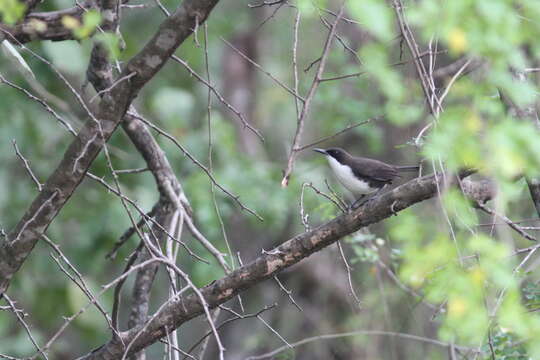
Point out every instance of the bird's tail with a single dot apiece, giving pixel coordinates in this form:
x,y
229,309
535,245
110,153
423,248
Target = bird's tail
x,y
407,168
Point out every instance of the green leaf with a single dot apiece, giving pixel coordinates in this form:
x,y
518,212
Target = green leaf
x,y
90,21
11,11
455,139
459,208
375,15
513,149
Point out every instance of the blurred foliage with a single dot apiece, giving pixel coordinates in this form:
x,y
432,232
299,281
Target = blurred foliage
x,y
90,20
437,248
504,345
11,11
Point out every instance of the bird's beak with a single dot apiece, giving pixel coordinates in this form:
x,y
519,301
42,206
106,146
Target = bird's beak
x,y
322,151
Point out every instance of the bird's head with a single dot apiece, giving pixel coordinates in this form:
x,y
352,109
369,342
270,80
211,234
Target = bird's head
x,y
336,153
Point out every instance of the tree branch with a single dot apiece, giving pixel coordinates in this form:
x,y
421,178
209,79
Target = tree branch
x,y
269,264
82,151
309,98
47,25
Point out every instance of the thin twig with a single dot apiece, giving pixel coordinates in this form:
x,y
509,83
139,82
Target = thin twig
x,y
26,165
211,145
343,18
507,221
199,164
357,74
326,138
195,232
144,216
260,68
427,85
309,98
132,171
304,217
118,81
19,315
128,233
213,89
339,39
349,269
42,103
118,288
288,292
270,17
266,3
454,78
296,27
355,333
236,316
340,205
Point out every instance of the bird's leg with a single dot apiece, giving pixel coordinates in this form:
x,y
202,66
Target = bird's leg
x,y
355,205
392,208
357,201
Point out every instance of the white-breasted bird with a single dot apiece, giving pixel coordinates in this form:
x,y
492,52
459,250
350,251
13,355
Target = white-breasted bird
x,y
359,175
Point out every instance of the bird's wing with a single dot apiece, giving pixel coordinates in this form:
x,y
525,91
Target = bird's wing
x,y
376,170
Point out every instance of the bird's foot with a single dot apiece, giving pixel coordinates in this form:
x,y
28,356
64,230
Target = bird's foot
x,y
357,203
393,209
362,201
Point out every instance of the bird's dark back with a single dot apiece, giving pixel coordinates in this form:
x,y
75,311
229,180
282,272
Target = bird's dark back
x,y
374,169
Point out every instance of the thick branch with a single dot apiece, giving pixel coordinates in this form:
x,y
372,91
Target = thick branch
x,y
46,25
82,151
268,265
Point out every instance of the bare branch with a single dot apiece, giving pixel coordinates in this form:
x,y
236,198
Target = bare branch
x,y
260,68
26,166
199,164
269,264
309,98
356,333
63,181
213,89
326,138
20,318
509,222
32,28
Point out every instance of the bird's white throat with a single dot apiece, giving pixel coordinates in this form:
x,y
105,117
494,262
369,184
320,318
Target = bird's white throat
x,y
346,177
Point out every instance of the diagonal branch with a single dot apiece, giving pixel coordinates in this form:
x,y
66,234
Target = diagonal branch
x,y
426,79
83,150
269,264
307,103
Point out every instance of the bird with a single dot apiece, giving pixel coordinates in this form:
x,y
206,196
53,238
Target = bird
x,y
360,175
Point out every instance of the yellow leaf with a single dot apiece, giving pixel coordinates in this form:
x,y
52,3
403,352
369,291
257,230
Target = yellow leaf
x,y
38,25
478,276
456,306
457,40
70,22
473,123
